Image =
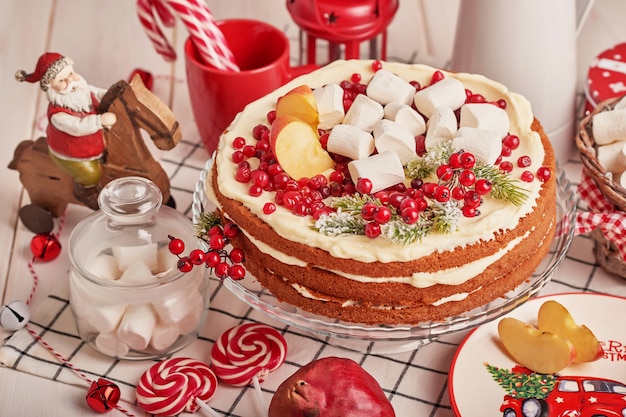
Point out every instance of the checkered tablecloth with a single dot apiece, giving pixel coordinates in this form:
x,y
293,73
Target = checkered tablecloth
x,y
415,380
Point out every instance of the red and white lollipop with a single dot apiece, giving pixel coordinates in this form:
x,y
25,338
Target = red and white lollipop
x,y
247,351
175,385
246,354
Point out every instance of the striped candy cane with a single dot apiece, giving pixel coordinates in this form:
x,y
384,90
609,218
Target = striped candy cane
x,y
198,20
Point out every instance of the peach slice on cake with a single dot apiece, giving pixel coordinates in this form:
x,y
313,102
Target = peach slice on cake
x,y
297,148
299,103
539,351
555,318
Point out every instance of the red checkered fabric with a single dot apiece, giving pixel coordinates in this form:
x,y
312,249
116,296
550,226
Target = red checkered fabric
x,y
601,214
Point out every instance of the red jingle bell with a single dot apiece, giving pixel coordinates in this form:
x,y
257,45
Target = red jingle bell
x,y
103,395
45,247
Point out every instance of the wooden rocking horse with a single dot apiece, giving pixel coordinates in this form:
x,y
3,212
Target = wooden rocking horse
x,y
51,189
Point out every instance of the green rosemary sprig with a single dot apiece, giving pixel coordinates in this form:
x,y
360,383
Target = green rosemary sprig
x,y
503,187
340,223
397,231
206,221
350,203
424,166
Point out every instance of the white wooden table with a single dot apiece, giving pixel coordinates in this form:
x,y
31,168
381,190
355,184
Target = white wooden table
x,y
107,42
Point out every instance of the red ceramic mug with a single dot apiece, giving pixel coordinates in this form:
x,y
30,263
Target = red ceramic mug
x,y
262,53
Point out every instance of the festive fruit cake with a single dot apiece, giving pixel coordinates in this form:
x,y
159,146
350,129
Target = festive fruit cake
x,y
385,193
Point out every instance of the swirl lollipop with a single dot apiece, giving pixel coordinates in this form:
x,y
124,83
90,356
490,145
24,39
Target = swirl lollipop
x,y
175,385
246,354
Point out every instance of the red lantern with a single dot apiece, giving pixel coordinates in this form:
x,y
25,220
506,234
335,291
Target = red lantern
x,y
347,22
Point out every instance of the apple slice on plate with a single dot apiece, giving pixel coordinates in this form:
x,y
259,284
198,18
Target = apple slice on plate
x,y
297,148
299,103
553,317
539,351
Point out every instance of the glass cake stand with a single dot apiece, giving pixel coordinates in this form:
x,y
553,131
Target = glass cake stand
x,y
391,339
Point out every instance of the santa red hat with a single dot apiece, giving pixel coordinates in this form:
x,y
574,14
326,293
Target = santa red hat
x,y
48,66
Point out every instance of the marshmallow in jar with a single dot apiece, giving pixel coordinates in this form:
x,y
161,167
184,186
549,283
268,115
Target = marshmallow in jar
x,y
127,295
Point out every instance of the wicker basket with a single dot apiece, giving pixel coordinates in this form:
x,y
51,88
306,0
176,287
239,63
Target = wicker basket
x,y
606,253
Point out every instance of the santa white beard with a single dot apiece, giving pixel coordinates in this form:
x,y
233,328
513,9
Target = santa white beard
x,y
76,96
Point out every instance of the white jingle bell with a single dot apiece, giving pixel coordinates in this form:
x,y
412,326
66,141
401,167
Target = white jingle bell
x,y
14,316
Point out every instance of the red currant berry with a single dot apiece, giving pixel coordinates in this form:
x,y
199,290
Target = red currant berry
x,y
176,246
249,151
544,174
458,193
455,160
410,215
355,78
512,141
408,202
239,142
421,204
467,178
377,65
505,152
215,230
382,215
468,160
396,198
469,211
527,176
429,189
238,157
437,76
197,257
231,230
184,265
442,194
237,255
221,270
269,207
368,210
420,145
501,103
482,186
364,185
472,198
271,116
506,166
372,230
217,242
243,174
415,85
255,190
237,272
260,178
258,131
445,172
212,259
524,161
476,98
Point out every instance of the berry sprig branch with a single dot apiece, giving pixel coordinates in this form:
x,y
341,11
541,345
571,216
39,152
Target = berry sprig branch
x,y
348,219
223,262
503,187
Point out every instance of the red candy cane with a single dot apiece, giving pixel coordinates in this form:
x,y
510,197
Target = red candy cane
x,y
246,352
175,385
203,30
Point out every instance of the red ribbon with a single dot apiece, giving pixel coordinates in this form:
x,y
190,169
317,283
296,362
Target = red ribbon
x,y
601,214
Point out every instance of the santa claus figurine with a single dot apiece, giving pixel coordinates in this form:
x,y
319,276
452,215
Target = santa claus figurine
x,y
74,132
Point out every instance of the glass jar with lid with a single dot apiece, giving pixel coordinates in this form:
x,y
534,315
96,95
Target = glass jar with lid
x,y
127,295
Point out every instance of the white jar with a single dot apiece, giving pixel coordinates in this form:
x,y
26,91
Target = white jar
x,y
127,295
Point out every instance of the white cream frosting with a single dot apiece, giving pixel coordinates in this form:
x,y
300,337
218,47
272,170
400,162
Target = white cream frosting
x,y
495,215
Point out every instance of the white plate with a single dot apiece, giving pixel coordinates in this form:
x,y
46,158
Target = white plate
x,y
473,391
